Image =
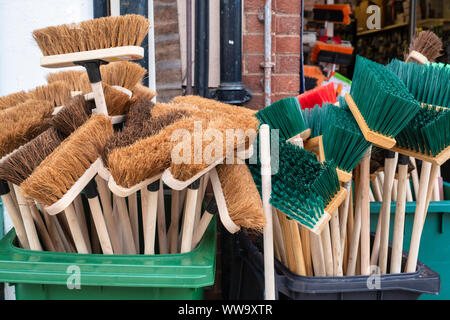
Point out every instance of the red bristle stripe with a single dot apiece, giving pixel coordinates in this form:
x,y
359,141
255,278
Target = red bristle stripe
x,y
319,95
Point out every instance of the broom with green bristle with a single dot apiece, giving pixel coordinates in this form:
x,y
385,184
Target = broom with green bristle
x,y
380,102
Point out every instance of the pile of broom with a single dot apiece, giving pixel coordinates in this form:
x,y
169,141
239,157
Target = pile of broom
x,y
75,180
366,144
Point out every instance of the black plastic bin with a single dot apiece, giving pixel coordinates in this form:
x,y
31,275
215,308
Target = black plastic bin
x,y
247,269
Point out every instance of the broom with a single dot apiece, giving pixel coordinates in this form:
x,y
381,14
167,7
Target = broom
x,y
19,166
140,126
336,13
13,99
66,171
380,102
318,96
426,47
332,53
90,44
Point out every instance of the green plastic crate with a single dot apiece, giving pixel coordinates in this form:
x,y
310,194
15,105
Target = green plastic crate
x,y
44,275
435,240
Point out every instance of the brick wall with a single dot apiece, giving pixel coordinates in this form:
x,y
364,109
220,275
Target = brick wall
x,y
285,49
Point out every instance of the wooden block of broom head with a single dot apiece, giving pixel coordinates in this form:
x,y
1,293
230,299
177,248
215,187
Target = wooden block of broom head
x,y
22,123
143,150
102,33
68,162
19,165
13,99
241,195
58,93
73,115
380,102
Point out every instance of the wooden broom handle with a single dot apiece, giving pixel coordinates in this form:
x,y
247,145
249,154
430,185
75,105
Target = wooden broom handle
x,y
130,246
306,245
134,218
174,221
16,219
113,231
278,236
161,220
287,239
30,228
97,216
75,230
336,244
399,222
300,267
344,219
415,177
389,169
377,190
355,233
365,214
81,215
150,211
99,98
203,224
266,186
317,256
189,216
435,169
327,249
419,215
42,229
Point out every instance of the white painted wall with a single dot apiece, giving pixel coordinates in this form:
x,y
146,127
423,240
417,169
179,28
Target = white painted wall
x,y
19,54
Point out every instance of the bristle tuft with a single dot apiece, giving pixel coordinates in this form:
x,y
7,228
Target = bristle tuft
x,y
19,165
102,33
58,93
68,162
13,99
383,100
317,96
123,73
428,44
22,123
72,116
241,195
141,91
77,80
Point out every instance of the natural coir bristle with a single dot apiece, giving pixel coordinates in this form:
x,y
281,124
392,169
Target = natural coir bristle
x,y
58,93
141,91
428,44
74,79
73,115
117,102
123,73
19,165
67,163
22,123
13,99
102,33
241,196
213,104
146,157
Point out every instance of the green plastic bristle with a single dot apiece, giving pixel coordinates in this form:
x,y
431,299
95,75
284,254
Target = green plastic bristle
x,y
428,83
284,115
343,141
303,186
383,100
314,119
428,132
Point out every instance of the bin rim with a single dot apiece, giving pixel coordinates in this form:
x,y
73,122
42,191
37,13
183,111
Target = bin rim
x,y
194,269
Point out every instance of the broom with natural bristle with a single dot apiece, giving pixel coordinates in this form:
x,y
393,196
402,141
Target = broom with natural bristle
x,y
19,166
72,116
425,47
56,175
241,195
13,99
58,93
58,172
74,78
141,91
380,102
102,33
124,74
22,123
